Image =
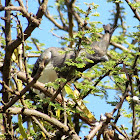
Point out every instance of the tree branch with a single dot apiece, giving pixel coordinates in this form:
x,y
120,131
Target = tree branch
x,y
38,85
25,14
119,130
64,27
117,15
61,16
94,131
29,112
70,17
81,22
137,136
102,124
119,46
41,126
100,78
125,94
8,41
16,98
133,9
12,45
7,119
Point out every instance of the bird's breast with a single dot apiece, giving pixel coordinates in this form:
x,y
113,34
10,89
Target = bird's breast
x,y
49,74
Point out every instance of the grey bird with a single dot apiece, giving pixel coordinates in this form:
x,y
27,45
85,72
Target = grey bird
x,y
54,59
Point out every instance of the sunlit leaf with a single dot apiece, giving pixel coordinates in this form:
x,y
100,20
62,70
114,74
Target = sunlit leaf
x,y
21,128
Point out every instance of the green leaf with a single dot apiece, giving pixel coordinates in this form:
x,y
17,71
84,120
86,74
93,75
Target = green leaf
x,y
34,126
21,128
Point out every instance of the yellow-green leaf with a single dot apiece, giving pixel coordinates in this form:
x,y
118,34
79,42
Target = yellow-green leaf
x,y
70,119
58,113
21,128
68,90
34,126
79,101
44,136
20,137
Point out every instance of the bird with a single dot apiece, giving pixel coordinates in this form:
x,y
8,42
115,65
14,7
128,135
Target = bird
x,y
55,60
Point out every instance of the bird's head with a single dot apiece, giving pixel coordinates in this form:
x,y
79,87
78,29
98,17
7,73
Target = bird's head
x,y
109,29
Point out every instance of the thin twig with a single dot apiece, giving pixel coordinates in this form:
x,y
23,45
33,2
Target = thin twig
x,y
124,131
70,18
47,15
41,126
94,131
120,131
125,94
133,109
61,15
117,15
25,14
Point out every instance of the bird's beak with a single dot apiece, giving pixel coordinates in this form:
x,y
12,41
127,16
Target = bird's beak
x,y
104,58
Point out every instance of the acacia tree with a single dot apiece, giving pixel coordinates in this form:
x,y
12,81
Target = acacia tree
x,y
55,117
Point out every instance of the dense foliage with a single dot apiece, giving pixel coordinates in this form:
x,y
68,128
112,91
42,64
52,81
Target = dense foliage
x,y
76,24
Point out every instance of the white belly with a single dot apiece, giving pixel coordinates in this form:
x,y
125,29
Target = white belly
x,y
48,75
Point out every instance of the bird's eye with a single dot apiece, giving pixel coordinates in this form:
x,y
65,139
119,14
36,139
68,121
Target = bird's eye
x,y
107,31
